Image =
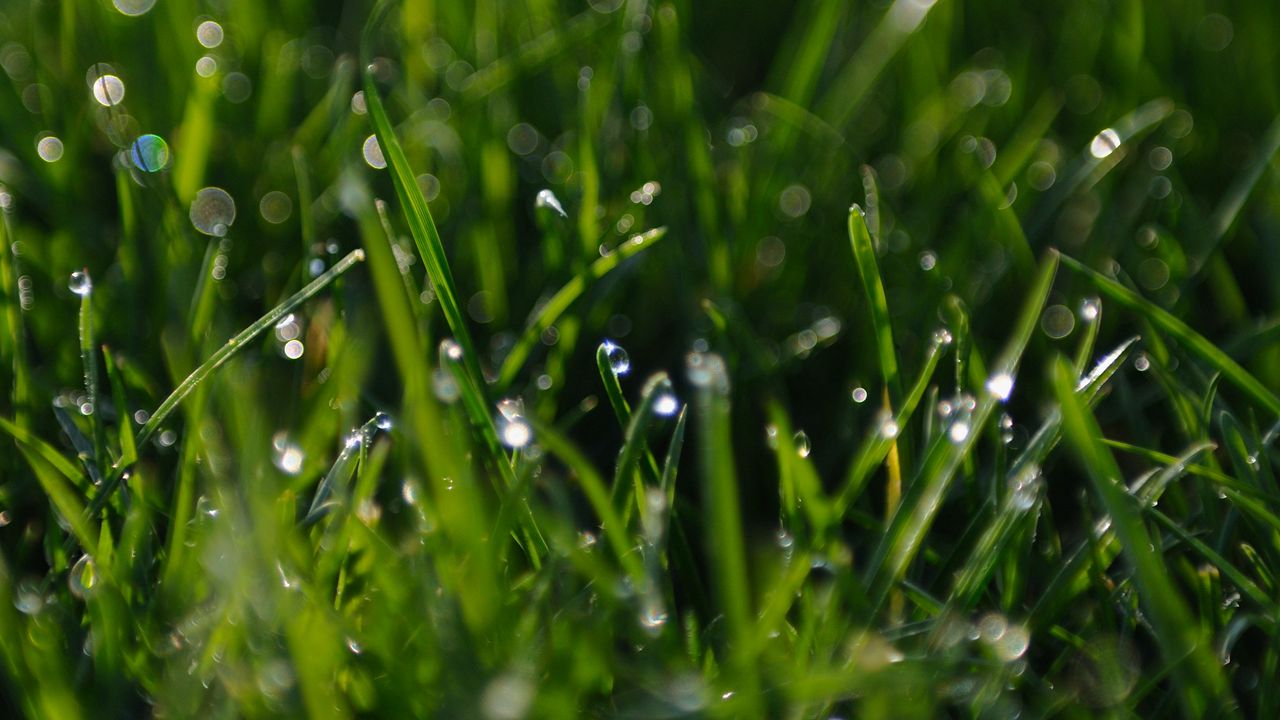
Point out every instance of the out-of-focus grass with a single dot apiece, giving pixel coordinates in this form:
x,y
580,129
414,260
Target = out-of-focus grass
x,y
625,413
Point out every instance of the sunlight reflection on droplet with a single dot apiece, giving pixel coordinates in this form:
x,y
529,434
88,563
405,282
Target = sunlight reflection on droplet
x,y
1104,143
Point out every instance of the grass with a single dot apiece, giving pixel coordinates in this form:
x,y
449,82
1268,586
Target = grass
x,y
640,359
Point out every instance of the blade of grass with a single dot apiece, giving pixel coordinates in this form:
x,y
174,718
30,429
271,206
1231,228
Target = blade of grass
x,y
552,309
1201,684
1192,341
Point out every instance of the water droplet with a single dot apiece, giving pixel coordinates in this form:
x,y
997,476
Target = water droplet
x,y
1024,488
27,597
450,350
888,426
294,349
213,211
1104,143
49,148
619,361
80,283
83,577
801,441
794,201
928,260
373,153
992,626
209,34
707,370
1142,363
1089,309
859,395
548,199
133,8
515,433
1000,385
149,153
288,456
771,435
275,207
653,616
383,421
942,336
1012,643
108,90
959,431
666,405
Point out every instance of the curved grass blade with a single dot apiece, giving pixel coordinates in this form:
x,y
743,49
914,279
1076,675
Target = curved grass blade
x,y
874,450
911,523
1201,683
1224,216
551,310
88,356
656,389
597,494
235,344
864,254
725,542
422,226
1194,342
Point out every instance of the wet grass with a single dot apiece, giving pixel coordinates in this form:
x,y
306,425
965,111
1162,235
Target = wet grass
x,y
639,359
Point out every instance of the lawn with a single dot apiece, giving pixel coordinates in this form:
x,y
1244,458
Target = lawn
x,y
640,359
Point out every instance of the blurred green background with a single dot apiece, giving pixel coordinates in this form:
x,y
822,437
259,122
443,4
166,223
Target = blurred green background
x,y
1135,136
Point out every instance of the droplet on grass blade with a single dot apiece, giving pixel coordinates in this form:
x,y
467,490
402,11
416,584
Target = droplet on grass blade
x,y
801,441
548,199
1104,143
133,8
83,577
80,283
1000,386
666,405
619,361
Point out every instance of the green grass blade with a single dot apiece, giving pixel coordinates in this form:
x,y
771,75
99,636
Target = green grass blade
x,y
128,445
911,523
1193,342
241,340
1201,684
864,254
550,311
628,484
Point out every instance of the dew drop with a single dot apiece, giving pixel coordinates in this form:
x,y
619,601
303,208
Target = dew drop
x,y
206,66
384,422
450,350
445,386
108,90
801,441
888,427
666,405
942,336
149,153
959,431
1142,363
27,597
288,454
1104,143
80,283
928,260
1089,309
548,199
859,395
213,211
83,577
1000,386
294,349
373,153
515,433
619,361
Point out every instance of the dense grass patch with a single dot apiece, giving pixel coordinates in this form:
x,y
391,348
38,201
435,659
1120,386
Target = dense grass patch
x,y
640,359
